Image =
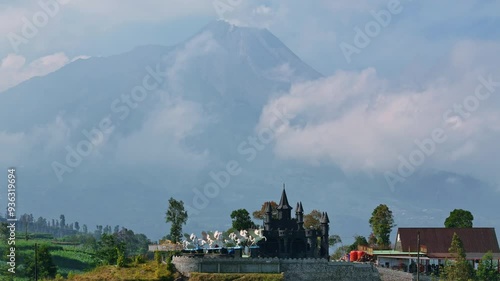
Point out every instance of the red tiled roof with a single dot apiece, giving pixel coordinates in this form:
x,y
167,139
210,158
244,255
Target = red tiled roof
x,y
438,239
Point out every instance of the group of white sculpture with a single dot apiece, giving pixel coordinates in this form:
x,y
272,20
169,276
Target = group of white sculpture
x,y
219,239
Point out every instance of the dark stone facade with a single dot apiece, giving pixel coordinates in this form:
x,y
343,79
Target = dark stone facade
x,y
286,237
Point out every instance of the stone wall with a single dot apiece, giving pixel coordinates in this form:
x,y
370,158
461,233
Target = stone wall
x,y
323,270
226,265
294,269
387,274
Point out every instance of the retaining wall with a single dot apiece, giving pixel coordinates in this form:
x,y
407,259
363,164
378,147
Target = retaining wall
x,y
294,269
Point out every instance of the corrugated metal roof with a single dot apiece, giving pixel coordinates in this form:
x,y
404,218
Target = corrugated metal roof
x,y
470,256
438,239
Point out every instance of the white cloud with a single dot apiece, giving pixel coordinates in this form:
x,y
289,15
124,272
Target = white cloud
x,y
80,58
359,121
197,46
360,6
36,144
161,138
463,151
282,72
16,144
146,10
10,19
14,70
255,14
452,180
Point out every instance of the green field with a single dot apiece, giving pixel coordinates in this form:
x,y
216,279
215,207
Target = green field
x,y
68,257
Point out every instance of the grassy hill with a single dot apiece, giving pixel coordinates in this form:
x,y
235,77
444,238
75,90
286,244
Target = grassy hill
x,y
67,257
139,272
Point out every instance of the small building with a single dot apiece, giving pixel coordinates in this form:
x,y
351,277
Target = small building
x,y
286,237
434,245
166,247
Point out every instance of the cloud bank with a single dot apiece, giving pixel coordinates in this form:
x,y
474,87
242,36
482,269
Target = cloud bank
x,y
362,122
14,69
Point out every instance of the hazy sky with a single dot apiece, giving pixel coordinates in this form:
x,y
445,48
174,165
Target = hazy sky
x,y
418,31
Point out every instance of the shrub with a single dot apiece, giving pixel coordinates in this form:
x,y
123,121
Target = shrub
x,y
139,259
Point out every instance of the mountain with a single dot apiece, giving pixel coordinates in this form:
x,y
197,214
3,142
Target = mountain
x,y
212,90
108,140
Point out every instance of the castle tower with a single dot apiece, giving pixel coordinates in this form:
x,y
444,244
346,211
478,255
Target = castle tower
x,y
299,215
324,251
268,216
284,209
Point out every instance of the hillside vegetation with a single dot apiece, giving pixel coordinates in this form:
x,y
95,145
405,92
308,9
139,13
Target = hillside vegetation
x,y
139,272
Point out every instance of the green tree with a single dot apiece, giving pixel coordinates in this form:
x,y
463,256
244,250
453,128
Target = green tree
x,y
459,269
63,221
107,249
120,252
45,265
372,240
311,220
135,244
177,216
487,271
382,222
340,252
260,214
334,240
89,243
459,218
358,241
158,258
241,219
4,231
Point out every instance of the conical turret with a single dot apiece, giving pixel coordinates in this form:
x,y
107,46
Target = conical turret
x,y
324,218
284,209
269,208
284,201
299,215
268,215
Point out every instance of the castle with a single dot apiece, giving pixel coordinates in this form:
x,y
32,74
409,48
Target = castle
x,y
286,237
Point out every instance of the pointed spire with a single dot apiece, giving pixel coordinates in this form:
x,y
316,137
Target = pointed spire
x,y
300,209
284,201
268,207
324,218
